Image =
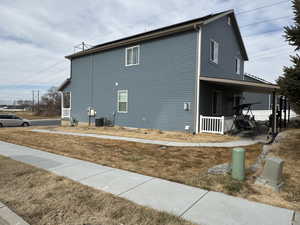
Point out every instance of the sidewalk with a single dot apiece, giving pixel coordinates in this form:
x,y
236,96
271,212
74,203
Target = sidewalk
x,y
239,143
8,217
194,204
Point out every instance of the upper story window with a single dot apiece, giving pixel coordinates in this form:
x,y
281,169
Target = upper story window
x,y
132,56
122,101
214,51
238,65
229,20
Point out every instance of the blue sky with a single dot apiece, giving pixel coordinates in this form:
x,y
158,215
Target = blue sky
x,y
36,35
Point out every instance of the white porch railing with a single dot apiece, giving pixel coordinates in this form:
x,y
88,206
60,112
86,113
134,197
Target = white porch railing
x,y
209,124
65,113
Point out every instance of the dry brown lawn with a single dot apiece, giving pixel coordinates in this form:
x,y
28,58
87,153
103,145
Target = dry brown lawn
x,y
40,198
148,134
29,115
186,165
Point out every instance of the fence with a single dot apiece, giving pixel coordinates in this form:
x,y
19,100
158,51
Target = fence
x,y
65,113
214,125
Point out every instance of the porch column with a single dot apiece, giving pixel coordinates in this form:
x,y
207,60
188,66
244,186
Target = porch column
x,y
62,103
274,124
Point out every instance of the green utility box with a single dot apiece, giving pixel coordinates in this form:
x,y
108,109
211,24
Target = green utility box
x,y
238,164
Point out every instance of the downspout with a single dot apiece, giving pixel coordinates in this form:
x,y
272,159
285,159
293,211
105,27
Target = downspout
x,y
197,85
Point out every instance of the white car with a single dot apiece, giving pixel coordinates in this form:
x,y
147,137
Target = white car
x,y
7,120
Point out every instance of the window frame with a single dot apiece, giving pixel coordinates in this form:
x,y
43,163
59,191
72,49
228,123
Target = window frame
x,y
118,101
138,55
229,20
212,52
237,65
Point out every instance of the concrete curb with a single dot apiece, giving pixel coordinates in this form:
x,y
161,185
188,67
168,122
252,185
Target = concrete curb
x,y
8,217
229,144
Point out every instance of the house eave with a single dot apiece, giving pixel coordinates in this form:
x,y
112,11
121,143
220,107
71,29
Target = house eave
x,y
134,40
243,85
161,32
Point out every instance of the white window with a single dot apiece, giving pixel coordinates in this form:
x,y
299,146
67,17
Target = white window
x,y
214,51
229,20
122,101
132,56
238,65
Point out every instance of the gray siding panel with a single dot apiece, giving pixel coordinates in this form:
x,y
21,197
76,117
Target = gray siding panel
x,y
157,88
229,49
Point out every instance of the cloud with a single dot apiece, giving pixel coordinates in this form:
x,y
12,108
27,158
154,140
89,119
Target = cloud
x,y
36,35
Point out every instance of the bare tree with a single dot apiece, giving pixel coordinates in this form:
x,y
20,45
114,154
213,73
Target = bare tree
x,y
50,104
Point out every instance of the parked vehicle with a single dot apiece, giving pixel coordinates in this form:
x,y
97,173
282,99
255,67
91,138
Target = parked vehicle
x,y
7,120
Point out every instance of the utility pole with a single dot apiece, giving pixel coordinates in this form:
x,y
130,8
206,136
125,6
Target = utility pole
x,y
38,101
82,46
32,101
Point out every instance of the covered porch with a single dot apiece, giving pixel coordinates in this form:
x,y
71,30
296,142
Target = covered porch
x,y
218,97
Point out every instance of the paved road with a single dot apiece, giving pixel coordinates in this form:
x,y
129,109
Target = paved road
x,y
229,144
194,204
45,122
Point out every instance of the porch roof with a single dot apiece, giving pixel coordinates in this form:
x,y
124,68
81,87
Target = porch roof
x,y
243,85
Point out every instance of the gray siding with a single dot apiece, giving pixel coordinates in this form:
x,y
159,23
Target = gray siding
x,y
229,49
157,88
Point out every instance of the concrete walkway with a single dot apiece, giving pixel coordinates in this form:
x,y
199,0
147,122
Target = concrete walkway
x,y
243,142
8,217
194,204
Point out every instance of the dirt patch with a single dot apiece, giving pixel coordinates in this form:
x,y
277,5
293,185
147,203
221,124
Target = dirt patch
x,y
44,198
151,134
186,165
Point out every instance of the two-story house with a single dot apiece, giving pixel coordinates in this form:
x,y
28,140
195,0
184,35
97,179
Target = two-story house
x,y
165,78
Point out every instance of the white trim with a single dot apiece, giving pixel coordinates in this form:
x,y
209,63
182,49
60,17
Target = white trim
x,y
70,101
138,56
62,103
212,124
269,102
198,80
118,109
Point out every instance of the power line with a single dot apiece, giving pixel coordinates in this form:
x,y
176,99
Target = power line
x,y
31,78
51,66
264,21
270,31
263,52
262,7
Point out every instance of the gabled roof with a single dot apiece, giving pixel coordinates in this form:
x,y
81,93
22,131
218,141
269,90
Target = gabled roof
x,y
164,31
256,78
